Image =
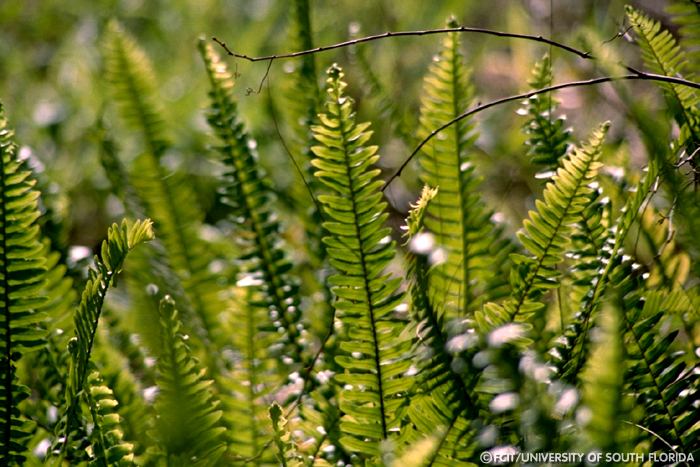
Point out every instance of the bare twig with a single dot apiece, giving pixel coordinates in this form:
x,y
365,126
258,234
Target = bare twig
x,y
425,32
636,75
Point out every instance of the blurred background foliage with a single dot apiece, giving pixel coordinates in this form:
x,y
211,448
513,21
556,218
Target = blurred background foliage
x,y
52,84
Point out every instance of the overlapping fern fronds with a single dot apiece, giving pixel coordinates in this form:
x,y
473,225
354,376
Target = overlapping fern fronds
x,y
445,398
666,386
457,216
374,349
686,14
546,235
22,277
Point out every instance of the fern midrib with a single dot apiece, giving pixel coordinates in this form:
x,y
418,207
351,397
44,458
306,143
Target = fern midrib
x,y
7,312
648,364
459,147
533,275
363,261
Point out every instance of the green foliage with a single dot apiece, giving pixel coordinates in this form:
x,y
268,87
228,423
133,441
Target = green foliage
x,y
375,354
304,333
22,272
546,235
548,138
189,429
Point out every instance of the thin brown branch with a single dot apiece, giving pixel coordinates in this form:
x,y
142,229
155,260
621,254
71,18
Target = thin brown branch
x,y
636,75
425,32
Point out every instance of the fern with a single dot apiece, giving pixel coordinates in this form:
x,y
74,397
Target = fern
x,y
662,383
548,139
247,194
166,197
252,379
662,54
686,15
120,240
545,235
188,427
603,388
109,447
457,215
22,276
446,398
374,354
572,354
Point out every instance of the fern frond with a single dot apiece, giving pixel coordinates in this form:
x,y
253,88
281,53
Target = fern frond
x,y
22,279
548,138
572,351
446,397
663,55
662,383
375,352
546,234
457,216
188,425
252,379
247,193
686,15
109,447
165,195
129,72
603,388
120,240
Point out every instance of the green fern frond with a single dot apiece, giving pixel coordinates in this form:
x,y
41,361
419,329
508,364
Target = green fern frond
x,y
603,388
457,216
572,352
120,240
109,447
247,193
662,382
375,352
129,72
546,234
22,279
548,138
188,426
252,379
446,397
287,453
686,15
663,55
